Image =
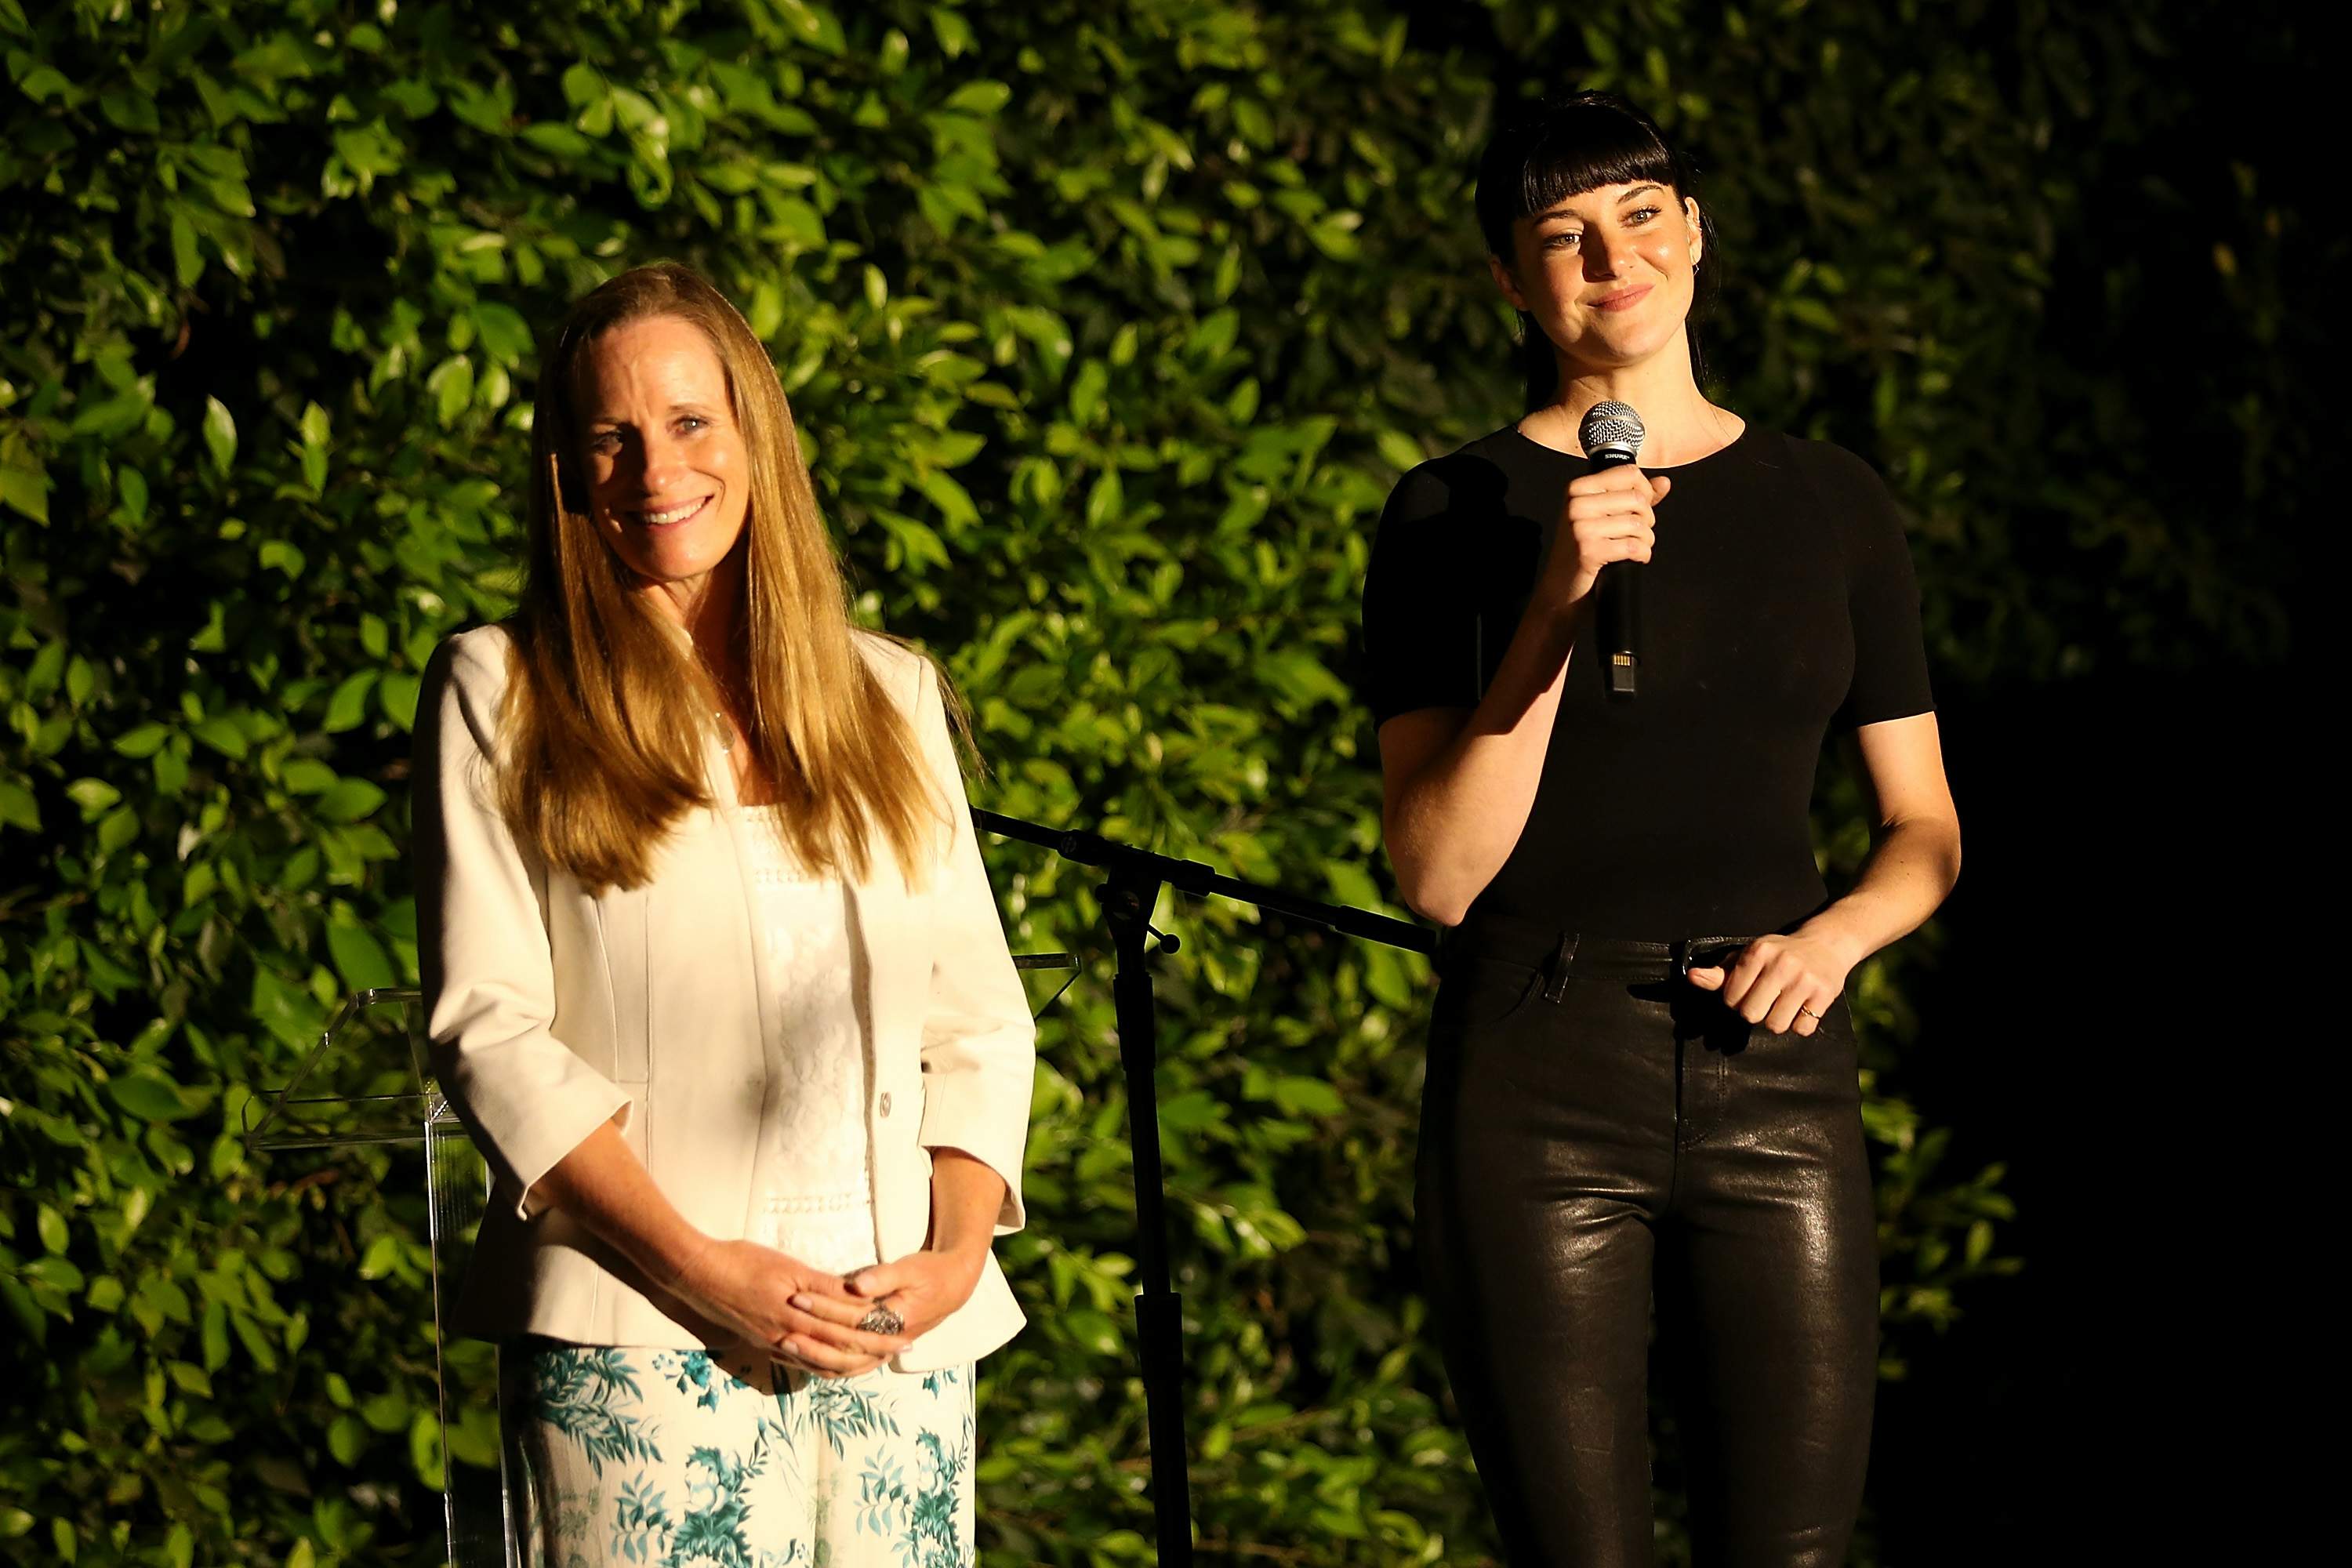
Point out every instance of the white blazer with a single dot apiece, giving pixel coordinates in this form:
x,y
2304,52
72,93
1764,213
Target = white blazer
x,y
550,1009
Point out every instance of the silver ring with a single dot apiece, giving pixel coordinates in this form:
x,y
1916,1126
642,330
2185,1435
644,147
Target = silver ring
x,y
1808,1013
882,1320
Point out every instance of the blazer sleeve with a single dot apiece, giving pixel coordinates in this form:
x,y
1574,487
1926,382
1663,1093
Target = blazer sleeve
x,y
980,1047
489,974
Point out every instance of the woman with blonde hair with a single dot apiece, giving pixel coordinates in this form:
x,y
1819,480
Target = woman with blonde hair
x,y
714,977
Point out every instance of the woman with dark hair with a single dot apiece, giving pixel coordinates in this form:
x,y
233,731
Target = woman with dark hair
x,y
1642,1074
714,976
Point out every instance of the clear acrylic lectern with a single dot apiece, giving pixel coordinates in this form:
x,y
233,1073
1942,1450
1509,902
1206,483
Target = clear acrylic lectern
x,y
367,1082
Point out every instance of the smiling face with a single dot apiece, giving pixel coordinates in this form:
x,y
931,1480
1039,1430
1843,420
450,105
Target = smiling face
x,y
668,476
1606,273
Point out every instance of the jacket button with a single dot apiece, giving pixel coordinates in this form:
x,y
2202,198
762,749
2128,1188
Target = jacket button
x,y
886,1102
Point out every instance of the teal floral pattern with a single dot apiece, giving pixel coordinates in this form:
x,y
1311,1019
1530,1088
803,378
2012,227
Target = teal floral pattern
x,y
659,1458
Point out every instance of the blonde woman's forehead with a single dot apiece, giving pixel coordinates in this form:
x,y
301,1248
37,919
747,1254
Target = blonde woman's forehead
x,y
650,366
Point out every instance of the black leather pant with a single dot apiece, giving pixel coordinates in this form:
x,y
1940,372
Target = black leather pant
x,y
1598,1130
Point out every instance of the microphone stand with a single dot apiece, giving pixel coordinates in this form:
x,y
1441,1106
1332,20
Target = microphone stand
x,y
1130,886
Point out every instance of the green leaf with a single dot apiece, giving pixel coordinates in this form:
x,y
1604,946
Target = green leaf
x,y
26,1311
116,831
551,136
127,109
815,26
1086,391
505,334
348,707
45,83
187,260
93,795
953,501
382,1256
24,487
347,1440
397,696
425,1450
1307,1097
981,98
150,1096
222,735
359,957
1106,498
307,775
348,800
293,1016
386,1411
212,1335
17,808
130,485
115,416
952,30
452,385
583,85
220,433
143,740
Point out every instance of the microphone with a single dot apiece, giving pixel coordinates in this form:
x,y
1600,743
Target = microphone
x,y
1610,436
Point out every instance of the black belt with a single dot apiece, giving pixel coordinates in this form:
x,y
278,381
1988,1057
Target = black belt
x,y
1563,955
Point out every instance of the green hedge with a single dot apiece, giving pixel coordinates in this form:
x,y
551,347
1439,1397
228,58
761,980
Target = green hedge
x,y
1108,331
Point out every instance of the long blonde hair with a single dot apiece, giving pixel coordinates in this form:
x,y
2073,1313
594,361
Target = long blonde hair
x,y
606,712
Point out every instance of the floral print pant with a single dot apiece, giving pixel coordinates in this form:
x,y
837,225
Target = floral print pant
x,y
663,1458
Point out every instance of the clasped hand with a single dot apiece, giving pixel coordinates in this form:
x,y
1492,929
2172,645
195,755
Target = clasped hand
x,y
1606,516
807,1318
1783,983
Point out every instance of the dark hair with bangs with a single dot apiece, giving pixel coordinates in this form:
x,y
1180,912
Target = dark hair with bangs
x,y
1561,147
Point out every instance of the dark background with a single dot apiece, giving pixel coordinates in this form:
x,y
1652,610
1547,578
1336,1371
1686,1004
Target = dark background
x,y
2109,1016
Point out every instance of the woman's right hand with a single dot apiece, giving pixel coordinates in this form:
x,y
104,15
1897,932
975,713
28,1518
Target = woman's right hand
x,y
748,1288
1607,516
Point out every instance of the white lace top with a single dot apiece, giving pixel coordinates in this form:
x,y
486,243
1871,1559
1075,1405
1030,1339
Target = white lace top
x,y
819,1205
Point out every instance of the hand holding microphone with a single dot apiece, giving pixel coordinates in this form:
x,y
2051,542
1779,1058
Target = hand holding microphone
x,y
1609,523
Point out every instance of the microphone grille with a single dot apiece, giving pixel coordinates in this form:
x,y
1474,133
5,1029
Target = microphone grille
x,y
1610,429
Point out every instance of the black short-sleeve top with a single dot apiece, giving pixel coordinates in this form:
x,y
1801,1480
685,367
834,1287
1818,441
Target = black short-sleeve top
x,y
1780,601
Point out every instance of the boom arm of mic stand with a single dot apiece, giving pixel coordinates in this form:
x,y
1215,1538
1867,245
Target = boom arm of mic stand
x,y
1132,880
1205,881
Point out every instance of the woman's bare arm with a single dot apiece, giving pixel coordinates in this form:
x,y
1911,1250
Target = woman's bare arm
x,y
1917,858
603,1185
1457,783
1788,983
